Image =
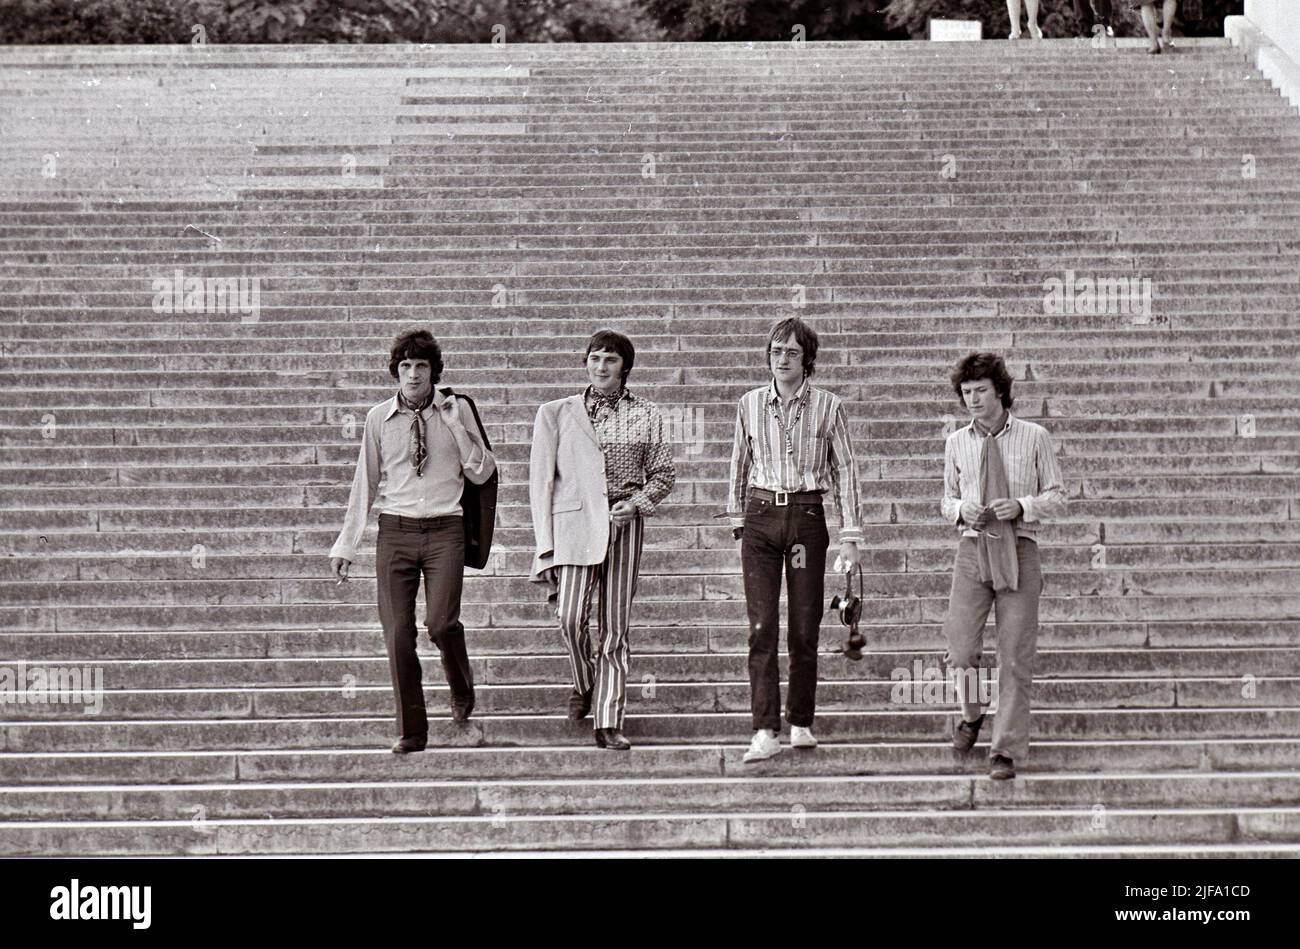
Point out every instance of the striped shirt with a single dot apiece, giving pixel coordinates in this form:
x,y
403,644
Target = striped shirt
x,y
1032,474
638,459
816,427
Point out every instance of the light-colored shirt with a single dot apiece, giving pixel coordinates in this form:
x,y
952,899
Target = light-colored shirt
x,y
638,459
821,460
1033,475
386,478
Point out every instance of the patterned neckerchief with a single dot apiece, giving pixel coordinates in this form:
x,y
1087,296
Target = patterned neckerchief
x,y
600,406
416,440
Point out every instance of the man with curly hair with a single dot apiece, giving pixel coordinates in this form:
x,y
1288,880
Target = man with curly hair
x,y
418,450
1001,481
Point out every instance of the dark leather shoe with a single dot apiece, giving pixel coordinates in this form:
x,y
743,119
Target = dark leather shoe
x,y
408,745
579,705
963,737
612,739
1001,768
461,706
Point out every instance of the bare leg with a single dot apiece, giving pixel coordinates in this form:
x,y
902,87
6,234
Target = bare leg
x,y
1013,11
1149,21
1171,7
1031,14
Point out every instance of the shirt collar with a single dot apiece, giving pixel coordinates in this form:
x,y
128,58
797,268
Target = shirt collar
x,y
590,392
774,396
395,407
1011,420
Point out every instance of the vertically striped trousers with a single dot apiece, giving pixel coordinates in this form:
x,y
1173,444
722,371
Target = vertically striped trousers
x,y
607,669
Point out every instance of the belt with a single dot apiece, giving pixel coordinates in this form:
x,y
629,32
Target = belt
x,y
783,498
398,522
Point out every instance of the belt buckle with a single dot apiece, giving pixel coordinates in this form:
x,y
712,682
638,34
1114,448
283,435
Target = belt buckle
x,y
782,498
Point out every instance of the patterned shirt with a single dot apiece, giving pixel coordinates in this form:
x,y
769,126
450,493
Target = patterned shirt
x,y
800,446
638,460
1032,474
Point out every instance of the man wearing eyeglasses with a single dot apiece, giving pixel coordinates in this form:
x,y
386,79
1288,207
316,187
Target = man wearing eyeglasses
x,y
791,448
1001,480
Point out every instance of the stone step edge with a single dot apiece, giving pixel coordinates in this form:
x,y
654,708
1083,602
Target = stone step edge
x,y
755,777
622,817
974,851
490,687
647,716
645,745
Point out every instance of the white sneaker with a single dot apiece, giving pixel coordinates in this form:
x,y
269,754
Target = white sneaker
x,y
801,737
765,745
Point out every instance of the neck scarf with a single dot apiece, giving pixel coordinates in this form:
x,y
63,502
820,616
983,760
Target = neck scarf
x,y
996,556
599,404
416,440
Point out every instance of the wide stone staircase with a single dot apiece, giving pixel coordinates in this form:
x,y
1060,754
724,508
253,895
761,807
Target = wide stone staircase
x,y
175,463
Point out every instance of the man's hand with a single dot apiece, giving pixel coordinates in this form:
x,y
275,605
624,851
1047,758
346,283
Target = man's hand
x,y
450,410
339,567
1006,510
848,558
622,512
975,515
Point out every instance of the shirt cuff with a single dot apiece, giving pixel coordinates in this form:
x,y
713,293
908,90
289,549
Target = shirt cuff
x,y
643,504
474,462
1026,509
344,553
851,535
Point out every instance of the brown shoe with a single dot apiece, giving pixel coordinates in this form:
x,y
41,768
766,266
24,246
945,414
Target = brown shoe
x,y
963,737
579,705
461,706
611,739
1001,768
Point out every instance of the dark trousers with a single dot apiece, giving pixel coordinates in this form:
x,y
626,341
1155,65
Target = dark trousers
x,y
407,549
791,538
1100,13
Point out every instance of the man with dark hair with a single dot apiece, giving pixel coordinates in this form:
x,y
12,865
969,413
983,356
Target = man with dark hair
x,y
791,447
417,450
1001,480
599,466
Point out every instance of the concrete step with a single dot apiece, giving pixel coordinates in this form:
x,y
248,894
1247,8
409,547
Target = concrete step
x,y
365,638
1188,277
331,610
1215,759
658,697
750,830
688,470
1111,667
265,539
659,831
87,734
921,554
576,797
843,260
198,590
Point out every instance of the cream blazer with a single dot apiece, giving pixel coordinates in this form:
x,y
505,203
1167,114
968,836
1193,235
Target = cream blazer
x,y
566,488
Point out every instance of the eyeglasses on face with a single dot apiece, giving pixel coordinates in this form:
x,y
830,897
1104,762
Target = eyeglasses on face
x,y
787,353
